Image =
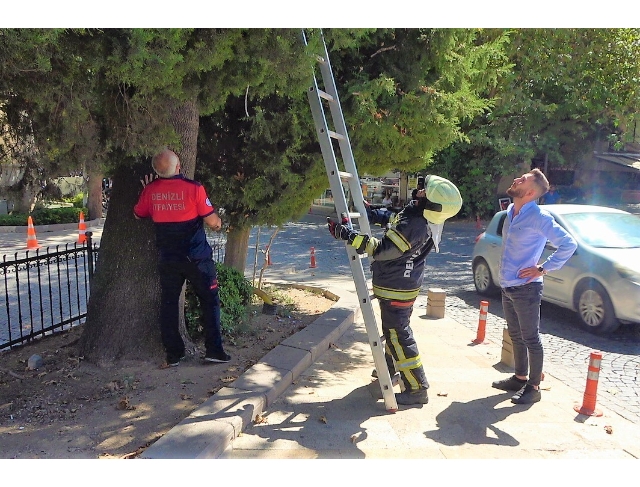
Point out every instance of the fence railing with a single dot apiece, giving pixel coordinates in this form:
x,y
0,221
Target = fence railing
x,y
44,292
47,291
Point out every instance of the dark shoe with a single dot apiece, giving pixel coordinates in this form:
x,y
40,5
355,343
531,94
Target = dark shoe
x,y
173,361
375,389
412,397
527,395
510,384
217,357
395,378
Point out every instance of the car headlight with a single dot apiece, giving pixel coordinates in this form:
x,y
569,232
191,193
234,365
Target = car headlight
x,y
627,273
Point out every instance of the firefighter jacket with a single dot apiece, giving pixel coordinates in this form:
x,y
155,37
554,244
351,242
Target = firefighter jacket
x,y
399,257
177,206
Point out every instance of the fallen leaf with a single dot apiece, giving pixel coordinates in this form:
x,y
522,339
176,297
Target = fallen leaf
x,y
41,374
333,345
228,378
608,429
185,397
123,404
354,438
259,419
323,419
443,394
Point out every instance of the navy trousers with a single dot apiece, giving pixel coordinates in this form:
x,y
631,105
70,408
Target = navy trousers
x,y
203,277
401,350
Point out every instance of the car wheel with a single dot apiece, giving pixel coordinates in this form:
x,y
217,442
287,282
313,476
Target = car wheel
x,y
595,309
483,279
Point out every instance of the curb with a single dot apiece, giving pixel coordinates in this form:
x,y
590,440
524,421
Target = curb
x,y
209,430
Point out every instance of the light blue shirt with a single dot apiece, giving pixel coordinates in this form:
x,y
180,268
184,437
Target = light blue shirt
x,y
523,239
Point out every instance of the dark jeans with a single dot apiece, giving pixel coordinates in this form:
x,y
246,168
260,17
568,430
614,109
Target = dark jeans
x,y
521,306
203,277
401,347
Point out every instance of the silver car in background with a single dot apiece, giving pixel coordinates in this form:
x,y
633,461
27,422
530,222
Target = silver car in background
x,y
601,281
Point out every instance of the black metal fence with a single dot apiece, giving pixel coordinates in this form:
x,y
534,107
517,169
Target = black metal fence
x,y
47,292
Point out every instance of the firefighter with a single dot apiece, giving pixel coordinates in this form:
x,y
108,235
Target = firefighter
x,y
398,261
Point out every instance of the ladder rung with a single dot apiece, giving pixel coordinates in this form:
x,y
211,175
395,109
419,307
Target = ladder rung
x,y
345,175
325,95
336,135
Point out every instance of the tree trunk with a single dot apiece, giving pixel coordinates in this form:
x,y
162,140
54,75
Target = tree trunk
x,y
235,254
94,202
124,305
185,119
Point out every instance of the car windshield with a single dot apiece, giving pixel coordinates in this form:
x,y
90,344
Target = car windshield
x,y
605,230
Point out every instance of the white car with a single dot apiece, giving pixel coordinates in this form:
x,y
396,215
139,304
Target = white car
x,y
601,281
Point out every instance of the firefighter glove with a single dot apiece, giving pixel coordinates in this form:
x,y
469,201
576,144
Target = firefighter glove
x,y
339,230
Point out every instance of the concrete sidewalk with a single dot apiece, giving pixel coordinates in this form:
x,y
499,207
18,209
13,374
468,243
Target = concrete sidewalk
x,y
289,408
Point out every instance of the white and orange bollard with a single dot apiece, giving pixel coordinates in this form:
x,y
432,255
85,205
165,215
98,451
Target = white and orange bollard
x,y
591,390
313,264
482,323
32,241
82,229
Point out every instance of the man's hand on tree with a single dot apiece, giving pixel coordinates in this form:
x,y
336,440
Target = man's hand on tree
x,y
147,179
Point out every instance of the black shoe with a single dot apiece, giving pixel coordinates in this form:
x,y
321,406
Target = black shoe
x,y
527,395
395,378
173,361
412,397
217,357
510,384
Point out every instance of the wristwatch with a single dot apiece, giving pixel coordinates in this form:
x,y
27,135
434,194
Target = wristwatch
x,y
541,270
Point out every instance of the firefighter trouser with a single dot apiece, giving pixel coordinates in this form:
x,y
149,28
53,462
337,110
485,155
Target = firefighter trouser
x,y
203,276
401,350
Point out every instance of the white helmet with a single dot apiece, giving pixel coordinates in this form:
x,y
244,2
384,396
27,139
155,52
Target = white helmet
x,y
443,199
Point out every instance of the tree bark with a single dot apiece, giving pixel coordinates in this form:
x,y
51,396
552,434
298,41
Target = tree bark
x,y
94,201
235,254
124,305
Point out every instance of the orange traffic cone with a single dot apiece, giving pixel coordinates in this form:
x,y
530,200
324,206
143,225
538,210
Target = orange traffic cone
x,y
82,228
32,242
313,258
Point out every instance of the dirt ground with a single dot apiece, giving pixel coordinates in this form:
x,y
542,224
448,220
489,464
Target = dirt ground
x,y
69,409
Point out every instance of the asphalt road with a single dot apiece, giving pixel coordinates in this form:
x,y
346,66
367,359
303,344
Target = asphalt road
x,y
567,346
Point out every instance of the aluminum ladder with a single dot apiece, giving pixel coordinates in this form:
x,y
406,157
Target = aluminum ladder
x,y
326,136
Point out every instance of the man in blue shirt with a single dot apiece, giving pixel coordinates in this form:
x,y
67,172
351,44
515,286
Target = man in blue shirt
x,y
552,197
525,233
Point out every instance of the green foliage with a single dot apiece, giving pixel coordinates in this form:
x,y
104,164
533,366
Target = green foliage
x,y
235,295
77,201
44,216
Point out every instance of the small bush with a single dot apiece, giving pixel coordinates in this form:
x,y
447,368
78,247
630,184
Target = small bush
x,y
44,216
235,295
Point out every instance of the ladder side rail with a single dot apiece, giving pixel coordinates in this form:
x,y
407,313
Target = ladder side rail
x,y
328,154
344,143
376,341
